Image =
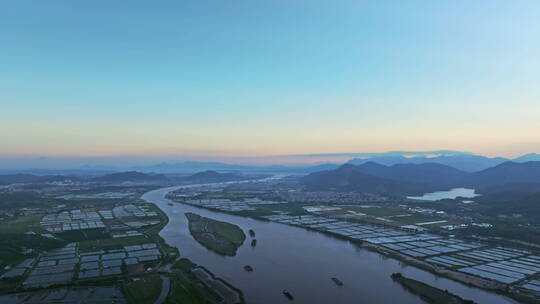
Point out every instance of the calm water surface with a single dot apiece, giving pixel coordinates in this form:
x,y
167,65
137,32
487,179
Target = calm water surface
x,y
450,194
301,261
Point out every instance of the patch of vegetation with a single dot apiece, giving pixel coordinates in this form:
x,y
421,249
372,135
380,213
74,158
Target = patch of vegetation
x,y
187,288
505,233
264,210
184,265
112,243
379,211
18,200
83,235
143,290
164,220
21,224
428,293
221,237
523,299
17,235
12,246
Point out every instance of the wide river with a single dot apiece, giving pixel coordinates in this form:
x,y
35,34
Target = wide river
x,y
301,261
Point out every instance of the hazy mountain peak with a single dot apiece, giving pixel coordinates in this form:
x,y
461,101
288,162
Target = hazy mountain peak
x,y
463,161
130,176
527,157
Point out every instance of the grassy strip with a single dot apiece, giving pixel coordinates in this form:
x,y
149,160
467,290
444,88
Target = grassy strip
x,y
221,237
164,220
232,287
428,293
186,288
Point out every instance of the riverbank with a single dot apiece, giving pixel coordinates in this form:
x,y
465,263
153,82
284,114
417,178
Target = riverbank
x,y
469,280
457,276
220,237
429,293
195,284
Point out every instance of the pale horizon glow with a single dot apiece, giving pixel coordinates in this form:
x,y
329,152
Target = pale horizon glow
x,y
125,161
258,80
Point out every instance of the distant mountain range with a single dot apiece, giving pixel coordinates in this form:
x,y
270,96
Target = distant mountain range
x,y
30,178
395,179
411,179
505,174
527,158
189,166
428,173
464,162
193,167
351,178
210,176
138,177
130,176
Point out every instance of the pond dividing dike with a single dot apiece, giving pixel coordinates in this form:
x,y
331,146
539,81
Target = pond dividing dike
x,y
301,261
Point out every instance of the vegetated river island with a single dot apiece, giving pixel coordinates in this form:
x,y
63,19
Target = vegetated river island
x,y
220,237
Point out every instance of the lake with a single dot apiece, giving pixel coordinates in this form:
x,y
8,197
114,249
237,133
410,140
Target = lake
x,y
450,194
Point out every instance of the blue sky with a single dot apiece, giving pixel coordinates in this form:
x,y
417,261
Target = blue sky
x,y
252,78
